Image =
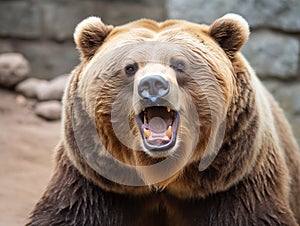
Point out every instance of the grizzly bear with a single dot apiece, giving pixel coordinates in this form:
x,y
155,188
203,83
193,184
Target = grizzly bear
x,y
167,124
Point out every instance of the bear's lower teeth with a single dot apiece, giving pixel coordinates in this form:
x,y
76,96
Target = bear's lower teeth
x,y
169,132
148,133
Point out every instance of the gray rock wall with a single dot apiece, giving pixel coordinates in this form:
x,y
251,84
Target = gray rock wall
x,y
273,49
42,29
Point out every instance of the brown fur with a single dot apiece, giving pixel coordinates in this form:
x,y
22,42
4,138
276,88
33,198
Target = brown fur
x,y
254,178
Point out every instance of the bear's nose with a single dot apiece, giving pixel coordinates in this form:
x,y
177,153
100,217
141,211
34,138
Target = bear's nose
x,y
153,87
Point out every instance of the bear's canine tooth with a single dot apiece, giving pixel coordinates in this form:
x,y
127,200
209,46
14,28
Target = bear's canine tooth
x,y
168,109
169,132
147,133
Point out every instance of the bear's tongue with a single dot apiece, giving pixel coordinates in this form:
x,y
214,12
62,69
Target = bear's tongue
x,y
157,132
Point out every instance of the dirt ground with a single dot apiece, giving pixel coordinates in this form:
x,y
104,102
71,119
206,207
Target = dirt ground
x,y
26,157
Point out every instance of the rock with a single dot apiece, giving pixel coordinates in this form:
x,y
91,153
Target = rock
x,y
287,94
278,14
20,19
200,11
50,110
295,122
152,9
272,85
30,87
48,59
14,68
296,102
21,100
270,57
54,89
7,46
61,18
288,97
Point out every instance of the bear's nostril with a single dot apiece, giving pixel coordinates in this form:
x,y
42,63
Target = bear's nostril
x,y
159,85
153,86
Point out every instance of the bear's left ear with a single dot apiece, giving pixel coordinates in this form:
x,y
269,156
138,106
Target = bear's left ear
x,y
231,32
89,35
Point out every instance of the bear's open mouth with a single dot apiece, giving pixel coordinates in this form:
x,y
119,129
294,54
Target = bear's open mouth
x,y
158,127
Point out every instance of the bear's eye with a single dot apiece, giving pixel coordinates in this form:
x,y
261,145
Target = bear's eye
x,y
178,65
131,69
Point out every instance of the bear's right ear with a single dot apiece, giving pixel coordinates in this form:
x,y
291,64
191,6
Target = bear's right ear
x,y
89,35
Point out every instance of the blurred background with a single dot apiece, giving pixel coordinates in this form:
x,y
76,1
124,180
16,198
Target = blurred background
x,y
41,31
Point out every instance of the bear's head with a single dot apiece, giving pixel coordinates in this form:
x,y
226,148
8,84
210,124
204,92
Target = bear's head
x,y
149,98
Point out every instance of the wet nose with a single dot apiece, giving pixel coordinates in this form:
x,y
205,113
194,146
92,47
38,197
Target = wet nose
x,y
153,87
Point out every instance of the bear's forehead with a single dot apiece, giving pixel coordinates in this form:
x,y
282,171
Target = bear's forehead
x,y
167,38
152,30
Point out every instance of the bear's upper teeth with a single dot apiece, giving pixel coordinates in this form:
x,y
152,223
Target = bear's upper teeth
x,y
145,117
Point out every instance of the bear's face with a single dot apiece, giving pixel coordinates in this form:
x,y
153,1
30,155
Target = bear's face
x,y
159,90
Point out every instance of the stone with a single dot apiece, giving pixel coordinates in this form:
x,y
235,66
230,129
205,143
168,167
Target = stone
x,y
272,54
272,85
19,19
61,19
30,87
45,31
296,102
278,14
50,110
21,100
287,94
54,89
49,59
132,10
200,11
14,68
7,46
295,122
